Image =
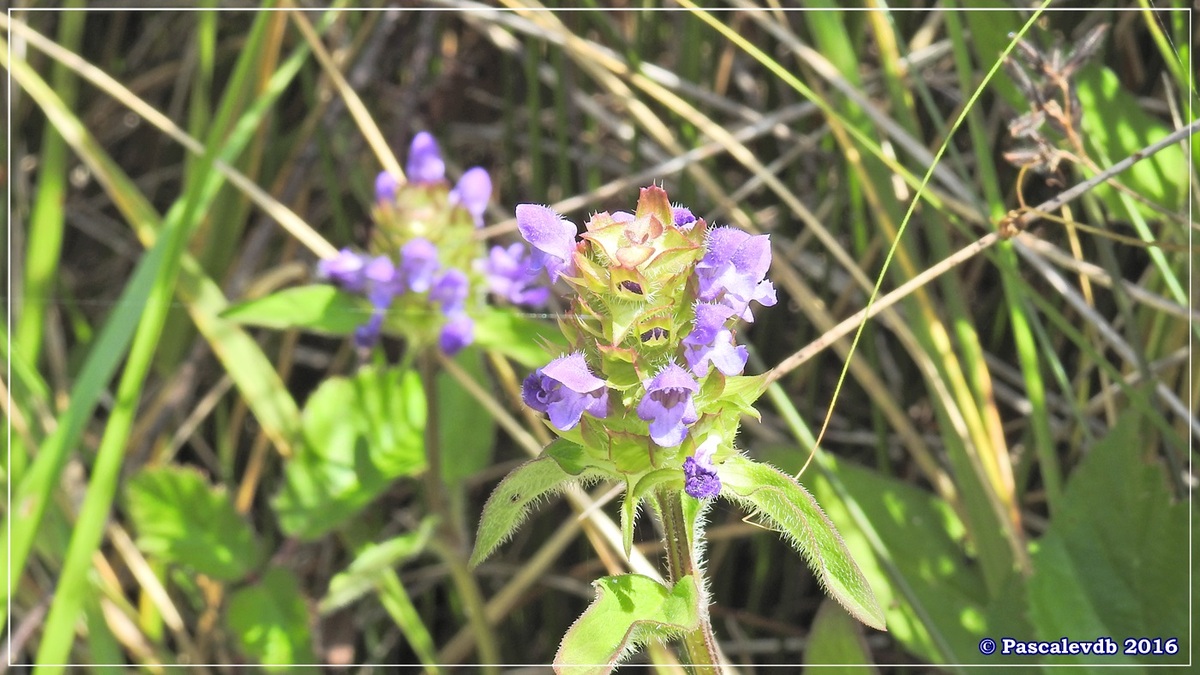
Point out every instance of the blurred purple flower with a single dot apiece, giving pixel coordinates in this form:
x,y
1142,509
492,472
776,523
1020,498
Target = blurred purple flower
x,y
552,238
711,342
385,188
733,270
457,333
418,262
450,291
382,281
564,389
366,335
668,405
700,478
509,275
345,270
473,192
425,163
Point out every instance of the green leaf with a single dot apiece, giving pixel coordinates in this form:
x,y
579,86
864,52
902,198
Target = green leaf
x,y
629,610
270,621
791,509
636,492
319,308
466,430
1114,560
509,504
361,433
372,563
180,517
528,342
835,639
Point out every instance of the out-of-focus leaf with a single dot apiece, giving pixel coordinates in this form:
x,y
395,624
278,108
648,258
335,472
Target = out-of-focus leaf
x,y
509,504
628,610
183,519
466,430
1114,561
836,644
270,621
318,308
527,341
793,511
360,434
372,563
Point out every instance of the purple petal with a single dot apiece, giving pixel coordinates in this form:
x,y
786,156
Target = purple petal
x,y
458,332
536,390
564,390
366,335
509,276
683,217
552,238
425,163
668,405
572,370
418,262
698,481
385,188
473,192
382,281
344,269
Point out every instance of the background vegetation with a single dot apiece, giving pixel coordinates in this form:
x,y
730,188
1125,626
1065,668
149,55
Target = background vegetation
x,y
1010,453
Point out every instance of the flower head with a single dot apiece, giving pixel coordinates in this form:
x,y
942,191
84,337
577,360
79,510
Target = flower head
x,y
552,238
425,165
418,262
457,333
473,192
700,478
510,276
710,342
733,270
668,405
564,389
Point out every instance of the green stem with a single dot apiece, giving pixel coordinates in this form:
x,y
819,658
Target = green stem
x,y
700,644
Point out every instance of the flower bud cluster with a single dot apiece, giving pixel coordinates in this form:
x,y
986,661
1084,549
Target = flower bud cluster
x,y
655,380
441,272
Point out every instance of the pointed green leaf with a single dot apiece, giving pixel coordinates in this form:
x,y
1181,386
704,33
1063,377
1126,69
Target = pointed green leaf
x,y
318,308
509,504
793,511
361,433
181,518
270,621
629,610
372,563
635,493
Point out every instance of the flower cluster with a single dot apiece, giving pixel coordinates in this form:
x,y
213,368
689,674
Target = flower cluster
x,y
441,270
655,296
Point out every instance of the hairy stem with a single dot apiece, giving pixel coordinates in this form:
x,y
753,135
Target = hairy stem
x,y
701,646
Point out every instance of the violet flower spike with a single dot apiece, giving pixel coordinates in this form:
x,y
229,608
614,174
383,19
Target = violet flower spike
x,y
473,192
418,262
344,270
457,333
552,238
510,277
710,342
700,478
385,188
733,270
565,389
425,165
668,405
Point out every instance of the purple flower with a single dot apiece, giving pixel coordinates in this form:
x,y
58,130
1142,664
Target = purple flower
x,y
623,217
382,281
683,217
733,270
418,262
711,342
668,405
552,237
385,188
450,291
565,389
509,276
366,335
425,163
473,191
458,332
700,478
344,269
